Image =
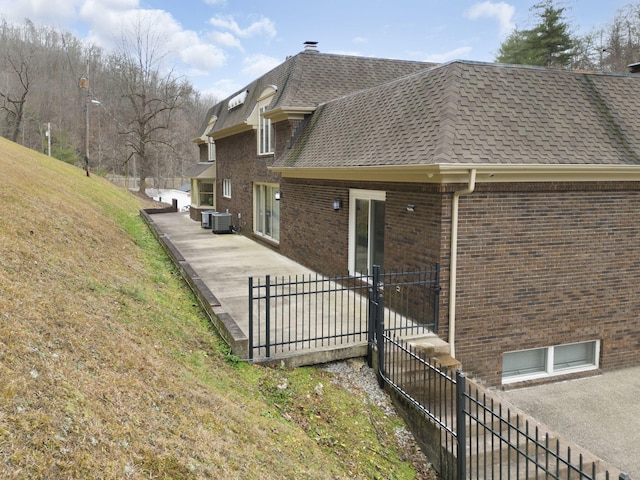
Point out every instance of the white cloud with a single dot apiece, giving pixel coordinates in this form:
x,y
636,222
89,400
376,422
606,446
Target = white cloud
x,y
257,65
360,40
501,11
458,53
221,89
39,11
201,58
215,2
225,39
262,26
182,49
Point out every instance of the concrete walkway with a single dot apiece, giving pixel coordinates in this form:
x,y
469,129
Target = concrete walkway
x,y
218,268
225,262
600,413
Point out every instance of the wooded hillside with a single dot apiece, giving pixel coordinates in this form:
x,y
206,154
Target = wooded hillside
x,y
141,115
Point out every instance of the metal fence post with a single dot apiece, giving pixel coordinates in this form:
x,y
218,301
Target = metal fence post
x,y
379,322
461,433
267,296
371,326
250,318
436,299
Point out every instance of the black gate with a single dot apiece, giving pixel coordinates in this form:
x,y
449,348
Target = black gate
x,y
307,312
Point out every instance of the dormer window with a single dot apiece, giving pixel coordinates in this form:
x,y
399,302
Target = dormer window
x,y
237,100
266,137
265,134
212,151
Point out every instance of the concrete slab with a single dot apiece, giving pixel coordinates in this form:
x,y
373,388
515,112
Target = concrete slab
x,y
224,262
598,413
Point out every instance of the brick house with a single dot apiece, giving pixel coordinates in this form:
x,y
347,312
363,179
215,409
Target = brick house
x,y
522,182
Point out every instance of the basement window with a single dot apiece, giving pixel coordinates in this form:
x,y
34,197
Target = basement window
x,y
549,361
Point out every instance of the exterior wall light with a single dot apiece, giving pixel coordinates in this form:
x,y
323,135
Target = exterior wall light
x,y
337,204
277,195
411,208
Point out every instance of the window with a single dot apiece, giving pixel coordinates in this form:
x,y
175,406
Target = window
x,y
366,230
226,188
548,361
205,193
267,211
212,151
265,133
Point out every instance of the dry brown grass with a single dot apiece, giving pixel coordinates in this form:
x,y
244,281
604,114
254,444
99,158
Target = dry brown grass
x,y
109,370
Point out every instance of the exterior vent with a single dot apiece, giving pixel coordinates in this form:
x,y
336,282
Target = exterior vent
x,y
238,100
310,46
221,222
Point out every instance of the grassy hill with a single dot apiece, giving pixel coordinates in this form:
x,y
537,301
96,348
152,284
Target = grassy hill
x,y
108,369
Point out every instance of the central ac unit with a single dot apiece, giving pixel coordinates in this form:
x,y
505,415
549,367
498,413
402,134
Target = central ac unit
x,y
221,222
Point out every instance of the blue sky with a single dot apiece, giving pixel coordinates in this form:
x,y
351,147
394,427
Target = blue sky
x,y
221,45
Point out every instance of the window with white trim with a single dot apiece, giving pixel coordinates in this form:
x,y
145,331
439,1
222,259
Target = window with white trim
x,y
265,133
226,188
366,230
212,151
265,130
206,193
543,362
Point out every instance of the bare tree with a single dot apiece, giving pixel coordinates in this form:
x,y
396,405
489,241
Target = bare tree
x,y
17,64
151,92
623,39
615,46
143,117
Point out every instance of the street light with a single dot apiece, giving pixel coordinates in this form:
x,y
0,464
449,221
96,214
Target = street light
x,y
121,127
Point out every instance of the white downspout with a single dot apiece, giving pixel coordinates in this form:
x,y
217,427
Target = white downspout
x,y
453,268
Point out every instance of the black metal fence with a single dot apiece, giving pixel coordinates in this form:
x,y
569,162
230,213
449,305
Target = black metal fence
x,y
289,314
479,437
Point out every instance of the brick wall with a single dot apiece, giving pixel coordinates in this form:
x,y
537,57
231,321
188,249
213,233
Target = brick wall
x,y
317,236
238,161
547,267
538,265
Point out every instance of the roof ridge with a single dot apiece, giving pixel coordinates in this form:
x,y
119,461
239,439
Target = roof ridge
x,y
613,126
450,111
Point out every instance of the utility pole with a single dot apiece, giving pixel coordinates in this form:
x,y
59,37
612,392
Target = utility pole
x,y
49,138
84,84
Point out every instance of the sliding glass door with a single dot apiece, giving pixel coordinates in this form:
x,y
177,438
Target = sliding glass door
x,y
366,230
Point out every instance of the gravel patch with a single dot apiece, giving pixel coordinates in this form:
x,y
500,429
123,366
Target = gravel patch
x,y
357,377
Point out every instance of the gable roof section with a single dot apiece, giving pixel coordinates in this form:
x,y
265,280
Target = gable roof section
x,y
467,114
303,82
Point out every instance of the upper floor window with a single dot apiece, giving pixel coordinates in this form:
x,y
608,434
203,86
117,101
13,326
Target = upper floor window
x,y
212,151
265,133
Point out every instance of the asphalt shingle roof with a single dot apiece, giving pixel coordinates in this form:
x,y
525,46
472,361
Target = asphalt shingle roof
x,y
467,112
310,78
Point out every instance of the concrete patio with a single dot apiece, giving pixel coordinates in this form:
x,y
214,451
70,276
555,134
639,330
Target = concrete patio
x,y
218,268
